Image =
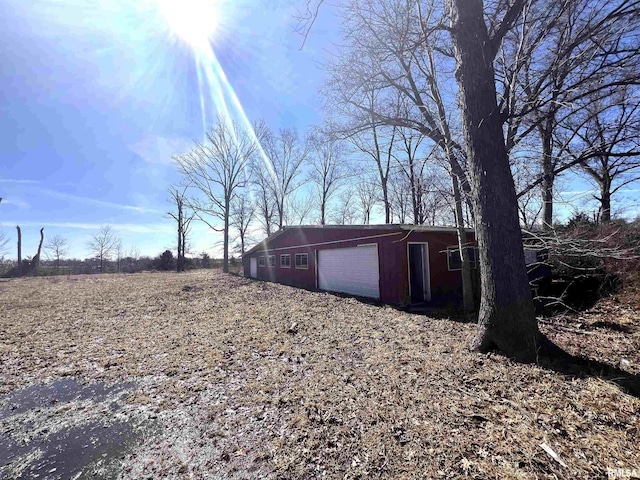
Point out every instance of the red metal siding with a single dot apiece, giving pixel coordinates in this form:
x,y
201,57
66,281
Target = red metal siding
x,y
392,254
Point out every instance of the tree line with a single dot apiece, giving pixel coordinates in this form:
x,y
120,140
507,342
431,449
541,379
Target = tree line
x,y
107,255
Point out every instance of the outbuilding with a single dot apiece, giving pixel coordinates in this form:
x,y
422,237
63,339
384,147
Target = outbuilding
x,y
395,264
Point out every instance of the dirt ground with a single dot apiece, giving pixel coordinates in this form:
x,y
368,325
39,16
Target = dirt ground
x,y
207,375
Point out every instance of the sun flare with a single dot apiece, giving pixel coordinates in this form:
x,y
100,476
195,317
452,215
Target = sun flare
x,y
194,21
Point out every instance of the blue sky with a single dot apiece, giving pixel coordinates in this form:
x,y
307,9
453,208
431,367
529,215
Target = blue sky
x,y
96,96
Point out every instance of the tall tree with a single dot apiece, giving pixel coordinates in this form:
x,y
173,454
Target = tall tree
x,y
183,216
217,170
412,168
345,211
262,181
57,247
242,213
102,245
377,142
287,151
118,251
562,53
366,193
604,136
506,319
328,171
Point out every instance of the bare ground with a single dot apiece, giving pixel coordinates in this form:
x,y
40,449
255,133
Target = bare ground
x,y
245,379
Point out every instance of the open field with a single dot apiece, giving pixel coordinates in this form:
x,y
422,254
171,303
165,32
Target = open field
x,y
217,376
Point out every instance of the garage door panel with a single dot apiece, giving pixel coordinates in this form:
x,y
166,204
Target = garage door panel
x,y
350,270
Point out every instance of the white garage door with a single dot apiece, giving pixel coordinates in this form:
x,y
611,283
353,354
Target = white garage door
x,y
350,270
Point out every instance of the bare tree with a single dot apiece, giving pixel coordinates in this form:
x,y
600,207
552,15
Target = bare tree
x,y
377,143
506,319
57,247
183,216
604,135
437,203
118,251
262,182
216,170
345,211
413,169
561,53
242,213
287,152
399,198
299,209
103,244
328,170
366,193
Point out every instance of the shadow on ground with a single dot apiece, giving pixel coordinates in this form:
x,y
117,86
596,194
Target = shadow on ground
x,y
553,357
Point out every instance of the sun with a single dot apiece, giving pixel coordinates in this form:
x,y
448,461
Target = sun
x,y
194,21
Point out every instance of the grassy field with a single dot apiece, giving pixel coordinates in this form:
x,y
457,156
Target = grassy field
x,y
245,379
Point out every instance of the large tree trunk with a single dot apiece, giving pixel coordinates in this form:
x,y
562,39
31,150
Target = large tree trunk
x,y
506,319
225,258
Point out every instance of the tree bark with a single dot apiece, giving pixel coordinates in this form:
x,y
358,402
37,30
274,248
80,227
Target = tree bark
x,y
35,262
605,199
385,200
467,285
323,209
225,255
179,266
506,318
548,176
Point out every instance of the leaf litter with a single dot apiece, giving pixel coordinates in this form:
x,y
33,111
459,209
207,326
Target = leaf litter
x,y
247,379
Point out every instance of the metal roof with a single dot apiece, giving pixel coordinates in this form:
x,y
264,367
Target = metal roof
x,y
385,226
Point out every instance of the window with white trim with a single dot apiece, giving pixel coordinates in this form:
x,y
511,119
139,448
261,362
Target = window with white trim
x,y
261,262
454,262
302,260
271,260
285,261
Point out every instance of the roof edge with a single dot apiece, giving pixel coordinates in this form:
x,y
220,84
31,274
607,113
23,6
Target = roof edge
x,y
385,226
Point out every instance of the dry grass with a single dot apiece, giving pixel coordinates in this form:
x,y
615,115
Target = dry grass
x,y
257,379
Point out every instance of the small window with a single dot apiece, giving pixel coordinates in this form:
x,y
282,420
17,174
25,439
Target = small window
x,y
272,260
285,261
455,262
302,260
261,261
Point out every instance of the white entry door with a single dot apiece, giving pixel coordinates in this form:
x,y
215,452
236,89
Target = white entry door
x,y
253,267
355,271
